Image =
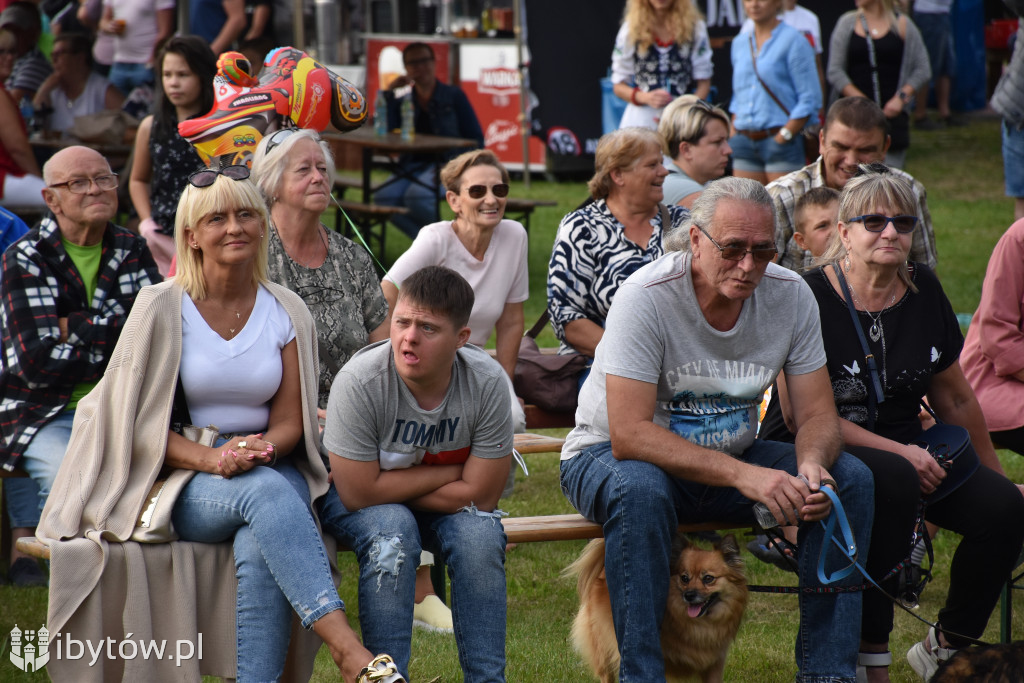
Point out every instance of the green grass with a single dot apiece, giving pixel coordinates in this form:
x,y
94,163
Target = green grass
x,y
962,170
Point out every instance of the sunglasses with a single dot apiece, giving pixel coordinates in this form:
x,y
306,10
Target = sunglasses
x,y
480,191
876,222
280,136
760,254
205,177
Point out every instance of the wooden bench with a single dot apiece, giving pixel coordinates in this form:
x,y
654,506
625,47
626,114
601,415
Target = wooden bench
x,y
522,209
371,219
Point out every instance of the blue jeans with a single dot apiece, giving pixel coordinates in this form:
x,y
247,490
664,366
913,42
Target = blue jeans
x,y
21,496
421,201
45,452
1013,159
126,76
280,561
767,156
388,539
640,506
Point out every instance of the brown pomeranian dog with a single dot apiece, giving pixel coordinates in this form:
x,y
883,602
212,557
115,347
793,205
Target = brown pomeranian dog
x,y
706,598
986,664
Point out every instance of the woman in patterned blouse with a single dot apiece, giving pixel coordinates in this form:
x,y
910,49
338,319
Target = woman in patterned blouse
x,y
599,245
294,169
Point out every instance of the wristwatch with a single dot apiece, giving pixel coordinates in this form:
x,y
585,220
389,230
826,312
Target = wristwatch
x,y
786,134
904,97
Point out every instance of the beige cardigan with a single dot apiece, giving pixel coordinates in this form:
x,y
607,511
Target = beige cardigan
x,y
103,585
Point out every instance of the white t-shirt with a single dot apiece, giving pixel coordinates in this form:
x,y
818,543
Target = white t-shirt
x,y
92,100
135,45
800,18
501,277
709,383
229,382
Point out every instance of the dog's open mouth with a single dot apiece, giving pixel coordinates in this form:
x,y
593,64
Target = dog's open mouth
x,y
695,611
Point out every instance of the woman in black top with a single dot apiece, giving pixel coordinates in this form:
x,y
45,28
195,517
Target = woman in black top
x,y
913,334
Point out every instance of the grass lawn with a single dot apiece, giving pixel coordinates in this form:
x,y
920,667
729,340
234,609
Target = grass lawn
x,y
962,169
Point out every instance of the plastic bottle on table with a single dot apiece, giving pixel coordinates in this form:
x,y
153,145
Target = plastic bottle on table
x,y
408,131
380,115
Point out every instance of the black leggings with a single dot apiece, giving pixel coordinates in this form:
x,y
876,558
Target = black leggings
x,y
986,510
1011,439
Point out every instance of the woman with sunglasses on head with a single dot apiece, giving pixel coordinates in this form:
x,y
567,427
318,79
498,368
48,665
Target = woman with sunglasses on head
x,y
219,344
914,339
163,159
697,136
294,169
602,243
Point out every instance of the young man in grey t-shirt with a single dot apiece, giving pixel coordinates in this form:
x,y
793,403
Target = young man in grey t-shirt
x,y
666,425
420,437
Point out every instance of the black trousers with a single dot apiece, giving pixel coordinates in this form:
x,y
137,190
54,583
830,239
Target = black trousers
x,y
987,510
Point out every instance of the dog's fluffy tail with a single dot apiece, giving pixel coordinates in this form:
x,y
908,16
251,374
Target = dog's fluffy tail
x,y
588,566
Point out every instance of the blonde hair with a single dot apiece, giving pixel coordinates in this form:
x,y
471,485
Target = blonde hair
x,y
620,150
451,174
682,21
198,202
685,119
874,184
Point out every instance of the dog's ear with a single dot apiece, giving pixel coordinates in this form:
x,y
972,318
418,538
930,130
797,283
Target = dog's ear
x,y
730,551
680,542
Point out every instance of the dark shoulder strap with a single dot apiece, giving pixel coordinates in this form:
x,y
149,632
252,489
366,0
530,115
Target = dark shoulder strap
x,y
666,220
878,396
753,61
538,326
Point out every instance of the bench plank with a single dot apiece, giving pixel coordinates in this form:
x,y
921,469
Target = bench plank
x,y
537,443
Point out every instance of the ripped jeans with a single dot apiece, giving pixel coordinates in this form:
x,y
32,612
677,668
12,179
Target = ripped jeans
x,y
388,539
280,559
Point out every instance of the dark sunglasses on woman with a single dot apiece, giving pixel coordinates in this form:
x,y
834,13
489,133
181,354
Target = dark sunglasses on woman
x,y
205,177
480,191
876,222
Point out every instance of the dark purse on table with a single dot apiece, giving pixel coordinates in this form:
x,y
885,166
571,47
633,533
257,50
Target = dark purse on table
x,y
950,445
548,381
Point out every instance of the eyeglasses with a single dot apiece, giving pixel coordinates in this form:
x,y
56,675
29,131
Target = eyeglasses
x,y
205,177
480,191
82,185
876,222
280,136
760,254
417,62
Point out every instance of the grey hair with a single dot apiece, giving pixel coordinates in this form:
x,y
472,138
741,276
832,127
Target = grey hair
x,y
703,211
873,185
268,167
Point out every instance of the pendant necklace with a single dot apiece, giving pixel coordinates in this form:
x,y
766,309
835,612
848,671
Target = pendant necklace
x,y
875,331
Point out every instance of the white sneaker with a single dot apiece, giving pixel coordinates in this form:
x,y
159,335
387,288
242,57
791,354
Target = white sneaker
x,y
924,657
381,670
433,615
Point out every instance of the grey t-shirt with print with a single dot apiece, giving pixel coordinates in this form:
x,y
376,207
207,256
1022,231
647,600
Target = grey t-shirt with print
x,y
710,383
372,415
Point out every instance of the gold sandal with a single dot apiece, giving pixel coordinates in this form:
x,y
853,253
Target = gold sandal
x,y
381,670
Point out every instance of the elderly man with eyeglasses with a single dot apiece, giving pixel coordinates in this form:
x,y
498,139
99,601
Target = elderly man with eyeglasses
x,y
65,291
666,425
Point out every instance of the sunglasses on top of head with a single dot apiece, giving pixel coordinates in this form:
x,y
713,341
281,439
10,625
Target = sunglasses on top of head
x,y
876,222
480,191
205,177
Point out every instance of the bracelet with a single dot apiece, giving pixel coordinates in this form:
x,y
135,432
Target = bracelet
x,y
632,96
273,460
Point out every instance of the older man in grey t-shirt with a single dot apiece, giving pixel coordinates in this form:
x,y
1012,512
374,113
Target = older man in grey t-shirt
x,y
666,425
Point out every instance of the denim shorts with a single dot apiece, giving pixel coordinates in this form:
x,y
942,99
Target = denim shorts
x,y
766,156
937,33
1013,159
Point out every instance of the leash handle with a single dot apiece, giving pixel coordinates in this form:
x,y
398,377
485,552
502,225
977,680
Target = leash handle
x,y
847,546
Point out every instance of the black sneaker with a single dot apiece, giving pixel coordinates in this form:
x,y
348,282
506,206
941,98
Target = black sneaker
x,y
25,572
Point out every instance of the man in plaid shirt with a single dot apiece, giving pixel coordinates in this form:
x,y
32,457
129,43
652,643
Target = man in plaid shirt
x,y
855,132
66,289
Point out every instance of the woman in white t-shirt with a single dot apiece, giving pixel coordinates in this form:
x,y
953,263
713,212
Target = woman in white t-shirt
x,y
482,246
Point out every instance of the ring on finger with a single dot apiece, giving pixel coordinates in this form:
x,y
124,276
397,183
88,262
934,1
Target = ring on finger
x,y
241,444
